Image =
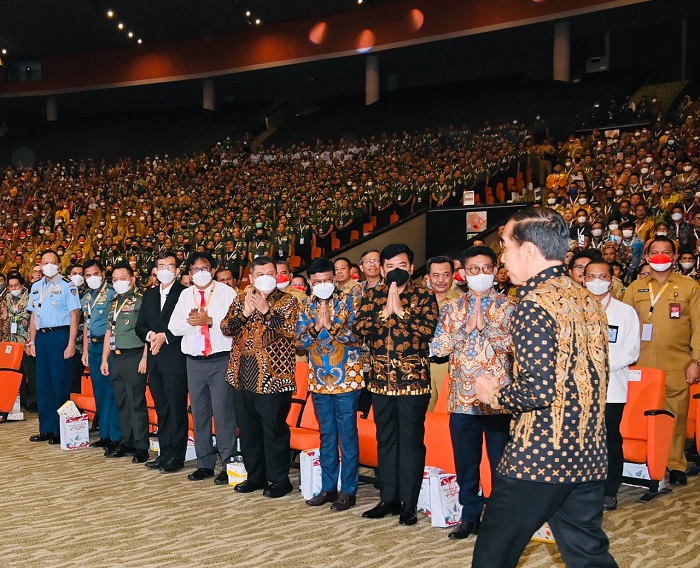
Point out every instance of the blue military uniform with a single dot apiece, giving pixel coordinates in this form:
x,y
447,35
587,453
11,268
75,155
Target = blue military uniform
x,y
52,301
95,305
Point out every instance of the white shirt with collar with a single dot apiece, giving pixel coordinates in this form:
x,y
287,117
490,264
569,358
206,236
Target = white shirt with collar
x,y
222,297
624,342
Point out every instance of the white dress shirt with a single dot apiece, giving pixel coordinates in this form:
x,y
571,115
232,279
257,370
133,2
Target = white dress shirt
x,y
164,291
219,303
623,325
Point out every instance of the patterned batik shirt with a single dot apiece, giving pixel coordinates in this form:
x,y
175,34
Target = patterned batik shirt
x,y
472,354
560,334
263,358
398,346
334,354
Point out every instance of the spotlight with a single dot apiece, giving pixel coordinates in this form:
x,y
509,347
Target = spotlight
x,y
131,34
110,13
360,1
139,41
120,26
247,13
258,21
4,51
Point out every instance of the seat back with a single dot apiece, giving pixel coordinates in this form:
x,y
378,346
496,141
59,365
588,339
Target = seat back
x,y
693,409
10,375
301,376
308,416
643,395
438,441
443,395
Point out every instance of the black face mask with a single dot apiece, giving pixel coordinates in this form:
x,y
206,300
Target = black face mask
x,y
398,275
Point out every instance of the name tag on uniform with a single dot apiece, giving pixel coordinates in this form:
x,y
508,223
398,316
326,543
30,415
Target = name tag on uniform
x,y
647,329
301,240
612,333
13,327
198,343
674,310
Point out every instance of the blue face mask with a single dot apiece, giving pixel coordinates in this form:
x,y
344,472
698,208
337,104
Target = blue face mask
x,y
573,192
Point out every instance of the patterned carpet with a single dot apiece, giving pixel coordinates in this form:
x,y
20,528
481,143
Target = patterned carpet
x,y
64,509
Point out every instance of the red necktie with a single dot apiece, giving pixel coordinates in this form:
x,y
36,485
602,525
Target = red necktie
x,y
205,329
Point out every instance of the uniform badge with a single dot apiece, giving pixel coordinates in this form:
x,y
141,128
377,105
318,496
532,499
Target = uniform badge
x,y
73,291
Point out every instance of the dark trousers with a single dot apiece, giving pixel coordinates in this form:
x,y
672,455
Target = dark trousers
x,y
303,250
344,235
27,390
616,460
400,446
383,217
130,395
52,377
468,431
264,434
324,243
404,210
516,509
170,397
76,372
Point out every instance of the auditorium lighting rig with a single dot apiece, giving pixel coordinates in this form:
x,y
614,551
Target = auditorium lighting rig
x,y
252,19
111,15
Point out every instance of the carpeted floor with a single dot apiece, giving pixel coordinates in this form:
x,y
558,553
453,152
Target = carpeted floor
x,y
64,509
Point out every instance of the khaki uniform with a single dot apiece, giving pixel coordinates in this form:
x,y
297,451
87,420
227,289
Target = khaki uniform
x,y
675,344
438,371
617,289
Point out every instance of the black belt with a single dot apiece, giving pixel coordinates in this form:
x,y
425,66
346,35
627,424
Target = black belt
x,y
440,360
97,339
50,329
217,355
127,351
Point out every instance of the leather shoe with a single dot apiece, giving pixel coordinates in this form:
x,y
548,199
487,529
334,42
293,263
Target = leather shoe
x,y
275,491
609,503
101,443
382,509
222,478
141,456
464,529
41,437
692,469
200,473
171,465
407,518
343,502
322,498
55,440
155,464
111,447
249,486
677,477
120,451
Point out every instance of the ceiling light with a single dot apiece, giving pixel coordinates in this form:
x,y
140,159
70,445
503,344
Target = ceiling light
x,y
131,34
110,13
120,26
258,21
4,51
247,13
360,1
139,41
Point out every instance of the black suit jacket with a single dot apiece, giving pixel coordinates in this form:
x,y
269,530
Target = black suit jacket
x,y
170,358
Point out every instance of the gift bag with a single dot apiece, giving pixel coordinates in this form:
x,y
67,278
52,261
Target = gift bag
x,y
444,500
74,431
310,472
236,472
424,495
543,534
190,452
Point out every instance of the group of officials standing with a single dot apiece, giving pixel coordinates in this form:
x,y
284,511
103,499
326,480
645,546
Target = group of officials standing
x,y
529,374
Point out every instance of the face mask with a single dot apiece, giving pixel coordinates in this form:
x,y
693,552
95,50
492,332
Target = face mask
x,y
660,262
687,265
50,270
597,232
644,171
598,287
649,160
165,276
258,225
619,192
299,287
627,233
202,279
16,293
583,201
265,283
617,239
94,282
551,201
677,216
613,227
647,188
687,168
398,275
480,282
77,279
282,282
323,290
582,219
567,164
668,174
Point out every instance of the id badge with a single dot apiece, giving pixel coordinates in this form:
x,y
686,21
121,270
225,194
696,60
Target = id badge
x,y
581,240
112,342
13,327
612,333
647,329
674,310
301,240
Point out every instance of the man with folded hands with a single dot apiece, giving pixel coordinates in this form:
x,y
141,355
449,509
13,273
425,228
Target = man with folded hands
x,y
324,328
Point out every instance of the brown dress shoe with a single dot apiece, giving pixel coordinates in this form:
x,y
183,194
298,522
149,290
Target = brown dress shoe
x,y
343,502
322,498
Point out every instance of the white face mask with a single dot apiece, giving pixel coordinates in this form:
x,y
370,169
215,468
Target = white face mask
x,y
649,160
77,279
627,233
619,192
94,282
324,290
582,219
677,216
613,227
687,168
16,293
647,188
598,287
201,278
644,171
662,233
668,174
583,201
122,286
660,267
50,270
480,282
551,201
265,283
687,265
165,276
597,232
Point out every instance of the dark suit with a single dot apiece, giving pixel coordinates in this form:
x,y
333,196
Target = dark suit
x,y
167,374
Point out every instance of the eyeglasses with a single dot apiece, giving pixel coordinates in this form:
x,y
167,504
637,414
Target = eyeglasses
x,y
370,262
195,269
486,269
644,274
592,277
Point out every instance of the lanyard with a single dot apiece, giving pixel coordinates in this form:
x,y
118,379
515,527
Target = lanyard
x,y
91,307
606,304
197,301
43,294
655,299
118,310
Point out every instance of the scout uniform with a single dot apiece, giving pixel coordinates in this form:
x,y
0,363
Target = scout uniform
x,y
52,301
669,316
129,385
95,306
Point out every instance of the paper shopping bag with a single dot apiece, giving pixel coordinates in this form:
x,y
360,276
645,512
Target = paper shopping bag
x,y
544,534
74,431
310,471
444,500
424,495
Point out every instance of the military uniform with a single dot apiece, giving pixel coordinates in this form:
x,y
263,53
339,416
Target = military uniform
x,y
129,385
671,343
304,234
283,246
95,305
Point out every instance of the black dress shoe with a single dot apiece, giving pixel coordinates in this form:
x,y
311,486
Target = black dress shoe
x,y
222,478
322,498
155,464
101,443
112,447
41,437
464,529
120,451
382,509
171,465
343,502
407,518
677,477
141,456
249,486
55,440
200,473
275,491
692,469
609,503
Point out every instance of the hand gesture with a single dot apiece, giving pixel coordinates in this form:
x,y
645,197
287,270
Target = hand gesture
x,y
692,373
480,321
470,326
260,303
199,319
248,307
32,350
157,340
484,385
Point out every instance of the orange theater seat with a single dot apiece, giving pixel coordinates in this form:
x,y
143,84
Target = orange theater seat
x,y
393,218
335,243
693,430
294,262
316,252
647,429
438,441
367,228
10,376
354,235
367,433
306,436
85,399
443,395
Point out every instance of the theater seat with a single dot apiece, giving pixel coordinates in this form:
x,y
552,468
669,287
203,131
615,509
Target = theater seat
x,y
393,218
367,433
294,262
693,430
647,429
354,235
10,376
306,436
85,399
367,228
443,395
